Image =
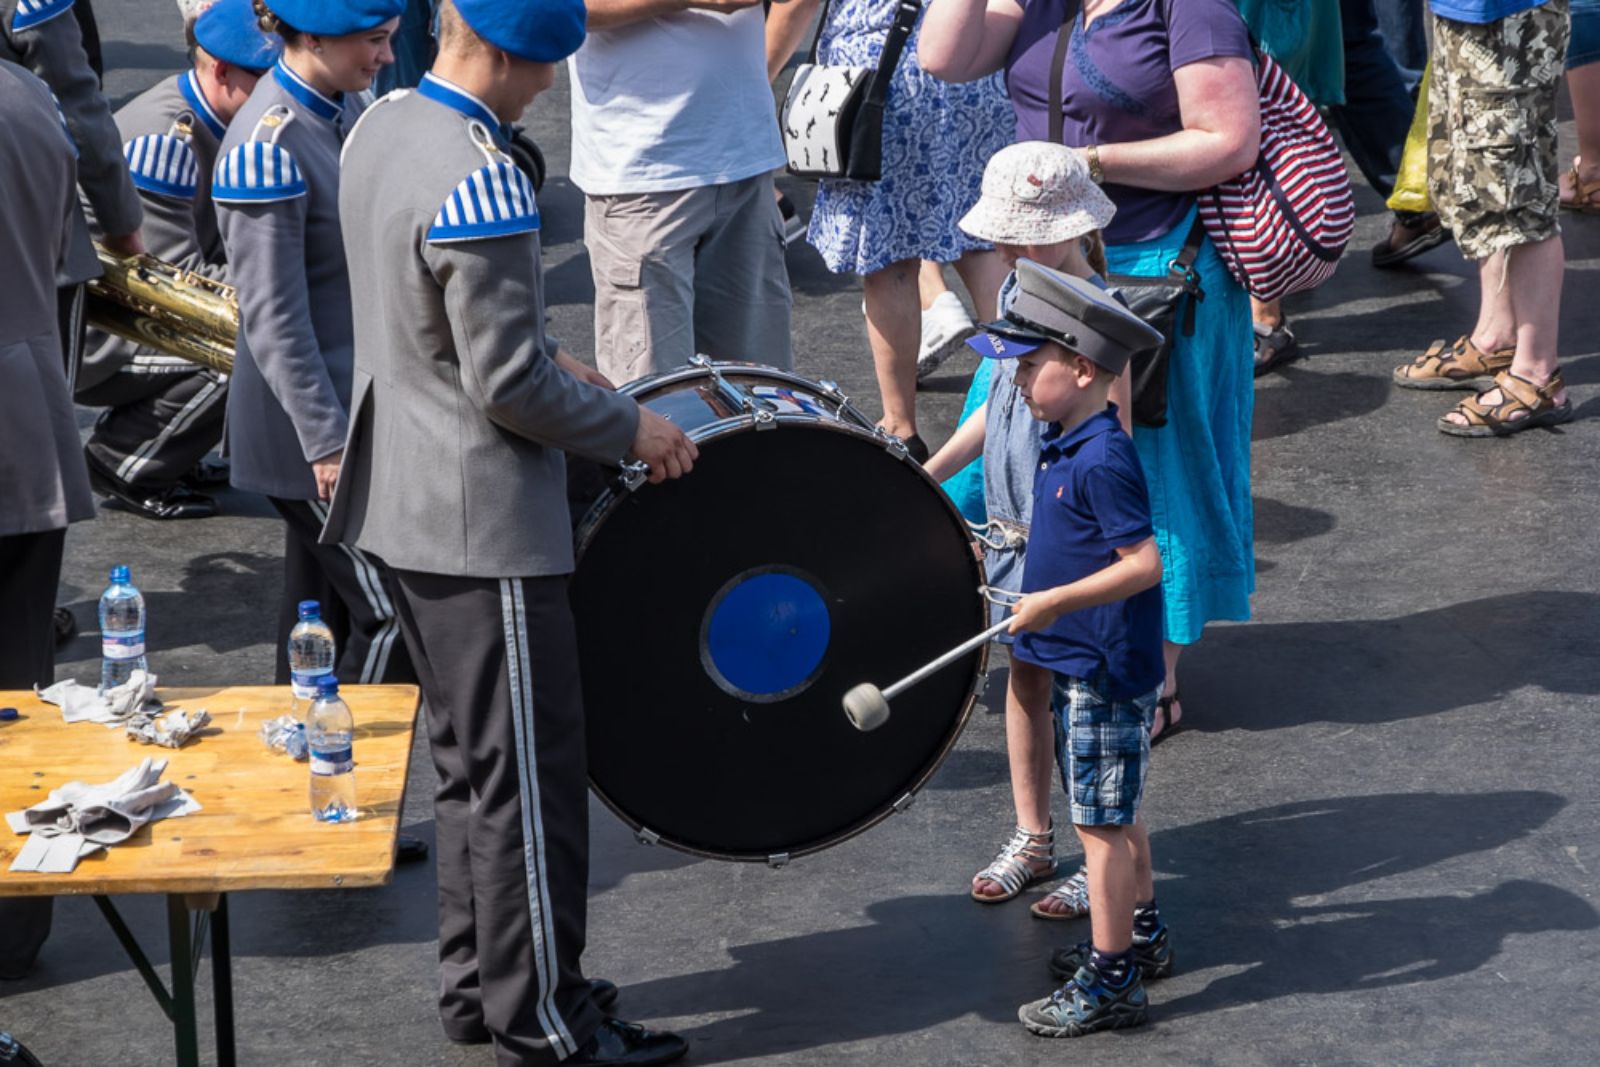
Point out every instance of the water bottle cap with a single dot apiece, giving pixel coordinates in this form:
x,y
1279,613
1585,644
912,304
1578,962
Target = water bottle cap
x,y
119,573
310,609
327,686
7,714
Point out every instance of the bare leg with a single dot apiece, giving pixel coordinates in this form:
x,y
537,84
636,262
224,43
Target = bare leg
x,y
1144,872
1268,313
930,282
1583,85
1113,883
894,330
1521,304
1030,748
983,273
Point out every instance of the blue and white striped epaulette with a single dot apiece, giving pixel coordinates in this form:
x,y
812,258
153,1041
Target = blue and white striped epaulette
x,y
163,164
496,200
260,170
31,13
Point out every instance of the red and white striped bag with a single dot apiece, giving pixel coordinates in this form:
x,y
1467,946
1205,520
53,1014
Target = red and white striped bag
x,y
1281,226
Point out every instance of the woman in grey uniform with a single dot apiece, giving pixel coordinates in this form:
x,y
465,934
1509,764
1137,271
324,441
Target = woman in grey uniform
x,y
276,188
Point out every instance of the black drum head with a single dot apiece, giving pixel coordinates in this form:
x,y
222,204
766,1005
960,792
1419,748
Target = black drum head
x,y
722,617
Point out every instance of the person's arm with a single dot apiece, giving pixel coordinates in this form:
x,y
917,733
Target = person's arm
x,y
609,14
581,370
786,27
1137,568
1220,139
964,40
964,446
53,50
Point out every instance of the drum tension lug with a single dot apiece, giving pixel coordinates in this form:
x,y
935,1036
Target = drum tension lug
x,y
765,420
634,474
778,859
646,836
904,803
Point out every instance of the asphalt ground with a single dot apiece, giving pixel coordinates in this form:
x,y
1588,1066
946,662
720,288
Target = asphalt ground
x,y
1375,838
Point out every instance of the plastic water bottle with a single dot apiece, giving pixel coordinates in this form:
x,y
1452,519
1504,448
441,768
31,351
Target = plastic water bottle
x,y
311,655
330,733
121,630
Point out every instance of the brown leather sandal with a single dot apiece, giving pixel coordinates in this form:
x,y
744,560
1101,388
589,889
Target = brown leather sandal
x,y
1458,366
1537,406
1583,201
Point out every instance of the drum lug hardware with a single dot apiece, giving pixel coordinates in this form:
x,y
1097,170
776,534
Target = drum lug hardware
x,y
982,685
765,420
778,859
646,836
895,447
700,359
904,803
634,474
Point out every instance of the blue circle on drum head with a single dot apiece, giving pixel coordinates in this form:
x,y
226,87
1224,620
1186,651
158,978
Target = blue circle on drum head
x,y
765,635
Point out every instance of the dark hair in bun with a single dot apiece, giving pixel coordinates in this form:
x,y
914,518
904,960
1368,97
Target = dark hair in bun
x,y
271,23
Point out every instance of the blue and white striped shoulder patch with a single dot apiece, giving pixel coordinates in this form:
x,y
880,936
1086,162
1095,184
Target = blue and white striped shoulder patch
x,y
31,13
495,200
163,164
257,172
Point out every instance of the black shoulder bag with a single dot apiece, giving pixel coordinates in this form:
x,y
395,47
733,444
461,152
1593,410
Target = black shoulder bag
x,y
832,117
1157,301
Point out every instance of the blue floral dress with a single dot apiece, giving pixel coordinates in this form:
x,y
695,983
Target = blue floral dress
x,y
937,137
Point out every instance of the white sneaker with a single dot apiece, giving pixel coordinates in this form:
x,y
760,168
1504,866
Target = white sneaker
x,y
945,328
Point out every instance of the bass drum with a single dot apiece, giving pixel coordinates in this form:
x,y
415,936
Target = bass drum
x,y
722,617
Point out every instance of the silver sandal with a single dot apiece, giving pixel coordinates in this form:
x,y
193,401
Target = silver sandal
x,y
1074,892
1014,869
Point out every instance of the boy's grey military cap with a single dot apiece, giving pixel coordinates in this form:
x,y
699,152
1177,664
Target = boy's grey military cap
x,y
1038,304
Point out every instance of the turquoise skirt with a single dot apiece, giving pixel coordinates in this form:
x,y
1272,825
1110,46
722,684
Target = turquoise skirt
x,y
1198,464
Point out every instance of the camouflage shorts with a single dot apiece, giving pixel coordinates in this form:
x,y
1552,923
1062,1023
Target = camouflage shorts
x,y
1492,127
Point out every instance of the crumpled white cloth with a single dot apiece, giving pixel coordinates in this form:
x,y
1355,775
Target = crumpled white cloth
x,y
77,819
79,703
171,730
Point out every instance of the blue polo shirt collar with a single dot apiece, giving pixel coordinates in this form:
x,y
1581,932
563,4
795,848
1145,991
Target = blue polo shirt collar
x,y
189,86
321,106
456,98
1058,443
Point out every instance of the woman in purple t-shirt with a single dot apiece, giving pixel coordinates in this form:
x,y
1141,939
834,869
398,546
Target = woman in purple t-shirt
x,y
1160,95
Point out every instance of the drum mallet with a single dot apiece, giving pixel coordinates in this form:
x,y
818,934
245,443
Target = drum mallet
x,y
868,706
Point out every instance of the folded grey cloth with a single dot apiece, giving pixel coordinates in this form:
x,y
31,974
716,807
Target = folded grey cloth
x,y
79,703
170,730
89,817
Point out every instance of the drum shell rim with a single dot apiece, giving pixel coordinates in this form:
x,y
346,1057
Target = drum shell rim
x,y
614,496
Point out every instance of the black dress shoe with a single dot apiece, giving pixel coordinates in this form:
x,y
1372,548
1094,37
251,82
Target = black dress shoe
x,y
174,502
408,849
209,473
630,1045
603,993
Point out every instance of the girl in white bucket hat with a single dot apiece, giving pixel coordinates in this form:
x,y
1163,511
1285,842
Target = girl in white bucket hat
x,y
1038,202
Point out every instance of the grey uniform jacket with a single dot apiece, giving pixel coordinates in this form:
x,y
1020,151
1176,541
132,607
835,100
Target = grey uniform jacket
x,y
44,484
276,190
455,461
170,138
43,36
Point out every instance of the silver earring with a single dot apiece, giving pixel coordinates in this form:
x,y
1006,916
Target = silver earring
x,y
317,50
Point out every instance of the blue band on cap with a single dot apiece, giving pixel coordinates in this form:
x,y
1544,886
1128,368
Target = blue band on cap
x,y
994,346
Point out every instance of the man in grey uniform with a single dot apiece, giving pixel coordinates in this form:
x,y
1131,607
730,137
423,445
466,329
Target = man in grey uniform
x,y
43,484
34,34
163,413
454,473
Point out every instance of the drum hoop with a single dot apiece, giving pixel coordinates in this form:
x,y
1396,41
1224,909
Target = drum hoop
x,y
613,496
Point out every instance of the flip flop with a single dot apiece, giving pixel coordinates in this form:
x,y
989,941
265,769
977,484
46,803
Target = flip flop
x,y
1164,718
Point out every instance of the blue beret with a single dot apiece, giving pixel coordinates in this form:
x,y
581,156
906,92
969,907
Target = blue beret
x,y
228,30
335,18
543,31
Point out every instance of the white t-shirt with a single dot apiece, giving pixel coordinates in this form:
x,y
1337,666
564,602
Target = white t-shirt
x,y
675,102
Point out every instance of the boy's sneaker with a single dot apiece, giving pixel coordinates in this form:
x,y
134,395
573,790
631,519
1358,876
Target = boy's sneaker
x,y
945,328
1152,955
1085,1005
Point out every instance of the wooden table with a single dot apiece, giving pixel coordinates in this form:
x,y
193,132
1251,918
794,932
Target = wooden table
x,y
255,829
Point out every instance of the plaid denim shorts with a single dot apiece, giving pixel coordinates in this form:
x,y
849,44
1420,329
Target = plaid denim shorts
x,y
1102,748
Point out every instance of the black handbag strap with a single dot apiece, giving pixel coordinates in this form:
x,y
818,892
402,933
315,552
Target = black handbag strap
x,y
905,19
1058,65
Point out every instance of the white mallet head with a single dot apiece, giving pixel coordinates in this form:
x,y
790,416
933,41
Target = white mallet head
x,y
866,707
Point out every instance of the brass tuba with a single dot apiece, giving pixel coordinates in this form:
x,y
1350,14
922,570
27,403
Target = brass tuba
x,y
155,304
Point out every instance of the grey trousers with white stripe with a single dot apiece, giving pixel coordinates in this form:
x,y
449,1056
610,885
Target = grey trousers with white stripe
x,y
498,664
356,591
158,423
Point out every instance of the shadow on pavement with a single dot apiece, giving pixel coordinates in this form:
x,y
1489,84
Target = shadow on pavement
x,y
1466,654
1313,398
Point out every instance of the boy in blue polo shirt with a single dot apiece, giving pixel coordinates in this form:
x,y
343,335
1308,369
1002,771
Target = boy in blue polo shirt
x,y
1091,615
